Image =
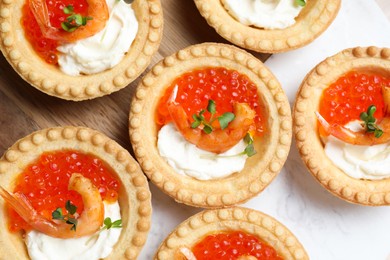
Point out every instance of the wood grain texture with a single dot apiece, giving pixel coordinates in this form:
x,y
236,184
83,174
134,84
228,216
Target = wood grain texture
x,y
23,109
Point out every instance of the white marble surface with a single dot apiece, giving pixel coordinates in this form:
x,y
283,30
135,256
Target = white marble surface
x,y
328,227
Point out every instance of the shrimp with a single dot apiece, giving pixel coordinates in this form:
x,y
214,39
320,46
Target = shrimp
x,y
356,138
89,221
218,141
97,10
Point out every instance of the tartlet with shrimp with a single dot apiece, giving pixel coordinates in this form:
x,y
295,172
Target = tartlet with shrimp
x,y
72,193
78,50
341,124
232,233
269,26
210,125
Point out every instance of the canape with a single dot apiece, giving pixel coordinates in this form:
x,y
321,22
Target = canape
x,y
79,50
86,198
269,26
210,125
340,124
232,233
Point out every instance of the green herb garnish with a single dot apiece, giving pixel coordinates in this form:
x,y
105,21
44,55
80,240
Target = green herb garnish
x,y
249,149
199,119
68,219
369,122
109,224
73,21
300,2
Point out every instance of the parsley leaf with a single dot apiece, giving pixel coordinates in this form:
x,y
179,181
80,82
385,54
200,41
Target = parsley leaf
x,y
369,121
225,119
57,214
109,224
68,9
300,2
199,119
68,219
73,21
70,207
249,149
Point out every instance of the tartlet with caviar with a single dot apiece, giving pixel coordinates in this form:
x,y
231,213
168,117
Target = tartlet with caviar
x,y
232,233
78,50
72,192
341,117
210,125
269,26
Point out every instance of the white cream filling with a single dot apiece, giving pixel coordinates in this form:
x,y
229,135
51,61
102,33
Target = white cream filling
x,y
105,49
44,247
359,161
187,159
268,14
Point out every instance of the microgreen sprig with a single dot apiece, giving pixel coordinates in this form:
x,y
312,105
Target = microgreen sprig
x,y
73,21
369,122
199,119
109,224
300,2
248,151
68,219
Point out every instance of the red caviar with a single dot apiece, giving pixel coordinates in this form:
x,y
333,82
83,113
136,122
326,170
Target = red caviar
x,y
344,100
47,48
229,246
45,183
224,86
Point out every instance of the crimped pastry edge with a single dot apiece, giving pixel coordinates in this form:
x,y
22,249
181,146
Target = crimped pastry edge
x,y
313,20
260,169
134,199
52,81
251,221
364,192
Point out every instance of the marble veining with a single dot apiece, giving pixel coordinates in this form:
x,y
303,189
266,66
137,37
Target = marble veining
x,y
328,227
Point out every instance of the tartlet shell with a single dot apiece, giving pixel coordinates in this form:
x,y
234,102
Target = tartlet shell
x,y
366,192
192,230
51,80
134,195
314,19
259,170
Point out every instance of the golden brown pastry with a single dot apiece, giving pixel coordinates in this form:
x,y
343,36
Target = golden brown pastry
x,y
247,222
272,146
341,89
51,80
313,19
133,194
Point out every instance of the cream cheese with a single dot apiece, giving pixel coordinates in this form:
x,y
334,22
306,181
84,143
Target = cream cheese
x,y
187,159
105,49
44,247
268,14
359,161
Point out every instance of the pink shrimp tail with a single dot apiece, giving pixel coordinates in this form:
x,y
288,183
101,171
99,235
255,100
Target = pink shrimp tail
x,y
20,204
340,132
41,14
